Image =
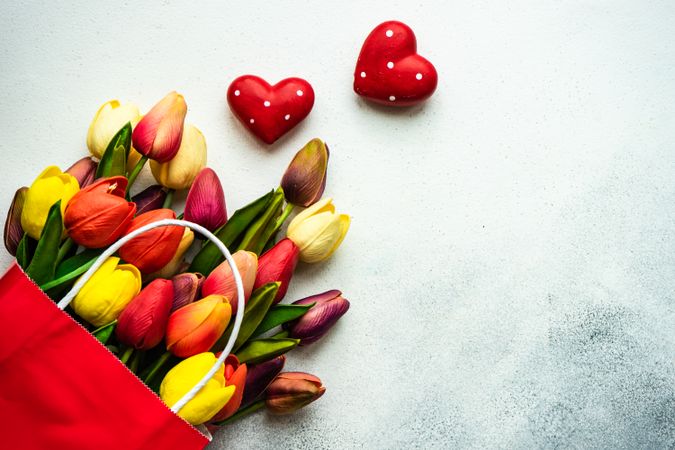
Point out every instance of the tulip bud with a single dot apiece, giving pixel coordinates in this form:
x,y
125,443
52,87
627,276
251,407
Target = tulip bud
x,y
173,266
221,280
109,119
111,288
305,178
13,230
194,328
291,391
205,203
84,171
328,308
259,376
235,375
277,264
99,214
143,322
149,199
185,289
153,249
159,133
182,169
318,231
184,376
49,187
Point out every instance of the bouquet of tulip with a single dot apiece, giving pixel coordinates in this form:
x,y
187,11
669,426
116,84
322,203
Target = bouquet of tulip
x,y
163,305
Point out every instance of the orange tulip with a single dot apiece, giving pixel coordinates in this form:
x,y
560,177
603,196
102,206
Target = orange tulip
x,y
99,214
159,133
221,279
194,328
235,375
153,249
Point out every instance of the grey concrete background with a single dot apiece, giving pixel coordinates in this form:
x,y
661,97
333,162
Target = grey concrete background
x,y
510,263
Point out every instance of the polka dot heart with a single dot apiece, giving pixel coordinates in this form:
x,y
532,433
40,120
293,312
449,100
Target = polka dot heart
x,y
269,111
389,70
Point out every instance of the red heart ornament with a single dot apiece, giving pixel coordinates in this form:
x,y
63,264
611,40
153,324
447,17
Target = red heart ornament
x,y
389,70
270,111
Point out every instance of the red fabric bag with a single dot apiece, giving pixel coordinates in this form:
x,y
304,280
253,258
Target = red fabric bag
x,y
60,388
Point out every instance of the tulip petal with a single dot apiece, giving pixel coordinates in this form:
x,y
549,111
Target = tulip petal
x,y
196,327
205,203
323,205
305,178
13,230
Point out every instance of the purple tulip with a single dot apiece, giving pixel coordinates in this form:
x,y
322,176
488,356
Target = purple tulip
x,y
258,377
149,199
186,289
13,230
84,171
329,307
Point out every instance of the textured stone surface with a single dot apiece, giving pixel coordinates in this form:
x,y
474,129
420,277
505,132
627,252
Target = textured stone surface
x,y
510,263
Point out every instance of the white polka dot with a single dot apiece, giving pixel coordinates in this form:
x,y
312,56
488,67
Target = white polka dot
x,y
390,65
252,121
418,76
363,74
236,93
287,116
389,33
299,93
267,103
392,98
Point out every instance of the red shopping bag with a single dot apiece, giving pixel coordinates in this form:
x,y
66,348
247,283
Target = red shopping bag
x,y
60,388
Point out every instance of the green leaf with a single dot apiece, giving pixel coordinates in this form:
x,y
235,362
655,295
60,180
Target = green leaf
x,y
72,268
209,256
114,160
104,333
24,251
260,231
43,265
280,314
242,412
261,350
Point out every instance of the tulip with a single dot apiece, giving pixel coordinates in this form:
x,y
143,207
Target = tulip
x,y
49,187
182,169
318,231
99,214
291,391
259,376
84,171
149,199
277,264
158,134
142,324
109,119
205,203
173,266
153,249
196,327
184,376
305,178
235,375
185,289
111,288
13,230
221,280
316,322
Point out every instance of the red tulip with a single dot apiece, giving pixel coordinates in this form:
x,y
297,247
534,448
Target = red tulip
x,y
84,171
235,375
153,249
291,391
142,324
205,203
159,133
99,214
194,328
278,264
221,280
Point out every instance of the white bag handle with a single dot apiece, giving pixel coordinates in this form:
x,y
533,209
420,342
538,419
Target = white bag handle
x,y
237,279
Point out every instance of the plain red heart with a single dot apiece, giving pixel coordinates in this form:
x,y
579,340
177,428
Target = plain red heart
x,y
389,70
270,111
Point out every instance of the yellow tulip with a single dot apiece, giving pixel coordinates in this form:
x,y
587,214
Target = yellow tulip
x,y
318,231
173,266
49,187
109,119
111,288
184,376
181,171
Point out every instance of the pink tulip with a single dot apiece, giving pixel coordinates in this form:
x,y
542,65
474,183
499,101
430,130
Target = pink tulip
x,y
159,133
221,279
205,203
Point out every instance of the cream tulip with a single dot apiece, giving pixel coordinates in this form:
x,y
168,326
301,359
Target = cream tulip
x,y
318,231
181,171
109,119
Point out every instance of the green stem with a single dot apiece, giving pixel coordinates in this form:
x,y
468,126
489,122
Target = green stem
x,y
135,361
253,407
137,169
180,216
168,199
126,355
63,250
284,215
156,366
